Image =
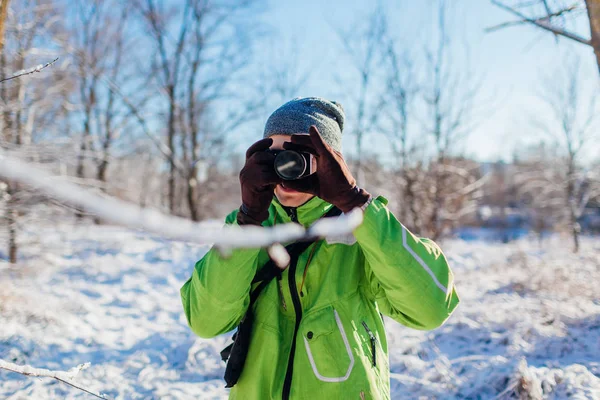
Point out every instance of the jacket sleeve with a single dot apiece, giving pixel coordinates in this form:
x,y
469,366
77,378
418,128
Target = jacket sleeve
x,y
408,277
216,296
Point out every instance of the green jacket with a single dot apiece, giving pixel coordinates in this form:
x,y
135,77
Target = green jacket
x,y
341,348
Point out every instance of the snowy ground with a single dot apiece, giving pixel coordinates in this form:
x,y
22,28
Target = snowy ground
x,y
528,324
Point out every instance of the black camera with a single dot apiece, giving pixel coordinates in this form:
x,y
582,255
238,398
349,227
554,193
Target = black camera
x,y
291,165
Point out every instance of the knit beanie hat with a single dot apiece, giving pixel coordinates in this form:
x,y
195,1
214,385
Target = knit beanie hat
x,y
297,115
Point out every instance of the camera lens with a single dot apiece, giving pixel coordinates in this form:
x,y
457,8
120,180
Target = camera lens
x,y
290,164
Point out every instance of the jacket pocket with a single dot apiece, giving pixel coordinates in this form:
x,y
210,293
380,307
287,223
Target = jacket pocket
x,y
327,346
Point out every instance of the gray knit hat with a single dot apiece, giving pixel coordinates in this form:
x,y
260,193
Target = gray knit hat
x,y
297,115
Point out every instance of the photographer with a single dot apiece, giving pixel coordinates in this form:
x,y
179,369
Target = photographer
x,y
315,331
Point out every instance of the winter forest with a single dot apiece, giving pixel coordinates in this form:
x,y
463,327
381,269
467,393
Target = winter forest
x,y
123,130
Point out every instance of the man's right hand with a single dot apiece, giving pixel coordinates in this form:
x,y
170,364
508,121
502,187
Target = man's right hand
x,y
258,180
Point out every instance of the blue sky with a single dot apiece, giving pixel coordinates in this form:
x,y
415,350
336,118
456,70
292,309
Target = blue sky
x,y
511,60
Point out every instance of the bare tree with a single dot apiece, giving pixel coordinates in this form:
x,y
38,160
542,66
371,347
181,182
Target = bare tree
x,y
196,71
281,74
362,44
451,99
203,140
169,59
24,106
425,106
553,19
107,86
538,179
571,127
401,94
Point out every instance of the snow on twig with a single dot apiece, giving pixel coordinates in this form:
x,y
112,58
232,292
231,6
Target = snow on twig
x,y
129,215
37,68
279,255
31,371
321,228
336,226
62,376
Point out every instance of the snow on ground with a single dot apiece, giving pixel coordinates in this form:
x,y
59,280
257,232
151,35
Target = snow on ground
x,y
528,324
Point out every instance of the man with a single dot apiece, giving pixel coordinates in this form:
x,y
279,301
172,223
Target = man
x,y
318,332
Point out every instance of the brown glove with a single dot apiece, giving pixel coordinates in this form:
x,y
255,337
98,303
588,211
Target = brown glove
x,y
333,181
258,180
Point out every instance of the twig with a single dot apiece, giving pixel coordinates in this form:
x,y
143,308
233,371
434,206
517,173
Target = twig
x,y
512,386
544,24
505,25
98,395
37,68
62,376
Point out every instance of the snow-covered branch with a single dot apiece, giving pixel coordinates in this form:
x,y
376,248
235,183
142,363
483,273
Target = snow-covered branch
x,y
31,371
127,214
32,70
62,376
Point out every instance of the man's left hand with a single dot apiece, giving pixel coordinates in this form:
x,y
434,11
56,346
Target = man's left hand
x,y
333,181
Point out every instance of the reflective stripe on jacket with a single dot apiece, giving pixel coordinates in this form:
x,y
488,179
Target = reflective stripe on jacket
x,y
341,348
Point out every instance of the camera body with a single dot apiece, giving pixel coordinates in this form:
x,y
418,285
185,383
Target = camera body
x,y
292,165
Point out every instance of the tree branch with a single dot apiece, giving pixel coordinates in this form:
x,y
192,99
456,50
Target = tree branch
x,y
129,215
543,23
525,21
37,68
62,376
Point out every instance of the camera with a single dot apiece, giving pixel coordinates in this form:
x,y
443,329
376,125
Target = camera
x,y
291,165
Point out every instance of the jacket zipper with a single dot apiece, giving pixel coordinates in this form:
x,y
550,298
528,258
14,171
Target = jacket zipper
x,y
373,340
287,382
292,212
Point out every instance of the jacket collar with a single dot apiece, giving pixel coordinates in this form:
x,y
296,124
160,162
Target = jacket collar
x,y
306,214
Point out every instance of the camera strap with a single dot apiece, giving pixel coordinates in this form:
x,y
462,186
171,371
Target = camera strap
x,y
235,354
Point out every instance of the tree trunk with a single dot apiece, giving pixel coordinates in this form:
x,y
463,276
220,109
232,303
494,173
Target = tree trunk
x,y
6,136
108,136
593,8
12,224
417,224
574,225
359,132
575,232
146,182
171,144
80,171
13,187
3,14
90,99
192,196
103,165
12,238
435,222
101,176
